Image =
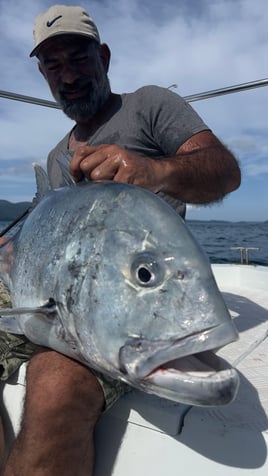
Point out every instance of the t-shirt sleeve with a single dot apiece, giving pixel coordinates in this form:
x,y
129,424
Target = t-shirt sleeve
x,y
173,121
54,170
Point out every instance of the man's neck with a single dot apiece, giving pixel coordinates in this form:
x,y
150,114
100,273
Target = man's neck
x,y
84,129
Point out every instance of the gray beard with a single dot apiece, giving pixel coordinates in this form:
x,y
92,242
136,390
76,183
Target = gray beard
x,y
82,109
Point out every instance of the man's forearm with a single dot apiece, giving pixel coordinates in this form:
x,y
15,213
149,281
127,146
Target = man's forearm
x,y
201,176
203,170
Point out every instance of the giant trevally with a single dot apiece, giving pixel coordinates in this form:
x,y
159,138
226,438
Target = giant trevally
x,y
108,274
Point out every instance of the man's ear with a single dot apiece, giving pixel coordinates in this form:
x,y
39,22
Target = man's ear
x,y
105,54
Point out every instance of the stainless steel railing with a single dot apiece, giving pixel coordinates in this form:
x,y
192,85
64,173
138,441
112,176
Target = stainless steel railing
x,y
193,97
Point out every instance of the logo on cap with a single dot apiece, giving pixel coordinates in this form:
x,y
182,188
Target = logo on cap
x,y
50,23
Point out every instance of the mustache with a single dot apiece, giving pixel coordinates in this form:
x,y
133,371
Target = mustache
x,y
76,85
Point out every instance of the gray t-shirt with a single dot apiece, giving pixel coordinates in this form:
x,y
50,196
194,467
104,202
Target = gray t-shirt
x,y
151,121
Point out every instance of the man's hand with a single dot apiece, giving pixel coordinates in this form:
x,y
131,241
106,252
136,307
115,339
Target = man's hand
x,y
111,162
202,170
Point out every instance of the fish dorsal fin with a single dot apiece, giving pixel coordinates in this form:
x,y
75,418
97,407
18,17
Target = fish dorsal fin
x,y
42,184
64,165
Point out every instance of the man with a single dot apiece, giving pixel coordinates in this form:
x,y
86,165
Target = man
x,y
150,138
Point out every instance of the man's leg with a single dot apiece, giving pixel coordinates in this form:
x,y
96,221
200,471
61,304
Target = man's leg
x,y
2,445
63,403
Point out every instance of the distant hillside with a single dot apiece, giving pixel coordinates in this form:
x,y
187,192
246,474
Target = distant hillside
x,y
10,211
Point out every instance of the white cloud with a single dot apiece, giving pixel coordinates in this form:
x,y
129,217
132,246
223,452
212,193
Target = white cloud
x,y
257,168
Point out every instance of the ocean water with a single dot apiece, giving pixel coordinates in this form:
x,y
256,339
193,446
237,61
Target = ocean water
x,y
218,238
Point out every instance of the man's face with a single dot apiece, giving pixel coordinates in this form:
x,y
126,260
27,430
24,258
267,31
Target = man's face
x,y
73,67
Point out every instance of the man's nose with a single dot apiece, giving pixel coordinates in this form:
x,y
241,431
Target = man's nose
x,y
68,74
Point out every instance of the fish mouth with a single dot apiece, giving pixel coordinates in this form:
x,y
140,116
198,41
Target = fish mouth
x,y
177,373
202,379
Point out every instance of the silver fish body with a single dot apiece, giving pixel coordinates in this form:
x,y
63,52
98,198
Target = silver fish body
x,y
110,275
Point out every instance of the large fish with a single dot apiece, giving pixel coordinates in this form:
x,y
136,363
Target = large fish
x,y
109,274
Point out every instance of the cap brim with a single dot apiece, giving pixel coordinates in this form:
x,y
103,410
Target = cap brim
x,y
36,49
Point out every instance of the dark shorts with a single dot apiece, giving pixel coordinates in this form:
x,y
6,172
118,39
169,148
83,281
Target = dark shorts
x,y
16,349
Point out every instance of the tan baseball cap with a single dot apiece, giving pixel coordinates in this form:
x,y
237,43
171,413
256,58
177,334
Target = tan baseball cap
x,y
62,20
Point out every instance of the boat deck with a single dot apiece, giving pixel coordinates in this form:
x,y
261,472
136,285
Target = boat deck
x,y
144,435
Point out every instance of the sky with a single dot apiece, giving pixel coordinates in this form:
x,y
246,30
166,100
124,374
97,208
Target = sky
x,y
198,45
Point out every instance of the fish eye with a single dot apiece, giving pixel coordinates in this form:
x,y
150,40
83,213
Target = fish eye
x,y
144,274
146,270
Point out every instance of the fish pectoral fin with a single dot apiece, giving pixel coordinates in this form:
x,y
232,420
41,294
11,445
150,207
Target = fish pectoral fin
x,y
47,311
9,323
10,317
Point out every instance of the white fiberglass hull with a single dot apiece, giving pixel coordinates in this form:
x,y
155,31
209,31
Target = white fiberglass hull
x,y
146,435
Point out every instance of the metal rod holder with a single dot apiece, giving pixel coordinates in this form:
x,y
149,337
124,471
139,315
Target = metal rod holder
x,y
244,253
